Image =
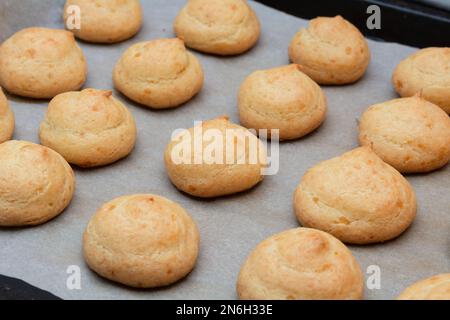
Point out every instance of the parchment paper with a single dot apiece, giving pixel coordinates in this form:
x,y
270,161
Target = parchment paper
x,y
231,226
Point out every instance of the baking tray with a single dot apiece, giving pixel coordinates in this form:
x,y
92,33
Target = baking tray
x,y
230,226
403,21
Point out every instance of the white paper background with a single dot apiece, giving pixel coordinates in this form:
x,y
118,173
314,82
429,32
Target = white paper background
x,y
231,226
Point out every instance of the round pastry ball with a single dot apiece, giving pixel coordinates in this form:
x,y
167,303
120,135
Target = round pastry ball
x,y
411,134
301,264
106,21
282,98
356,197
433,288
222,27
159,73
41,63
88,128
142,241
6,119
426,72
36,184
330,51
215,158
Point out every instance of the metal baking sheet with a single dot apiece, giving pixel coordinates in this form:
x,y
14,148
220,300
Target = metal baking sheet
x,y
230,226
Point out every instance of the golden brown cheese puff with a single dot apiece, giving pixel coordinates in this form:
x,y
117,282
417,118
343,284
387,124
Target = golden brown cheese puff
x,y
36,184
41,63
330,51
229,161
426,72
433,288
106,21
142,241
301,264
6,119
159,73
411,134
282,98
222,27
88,128
356,197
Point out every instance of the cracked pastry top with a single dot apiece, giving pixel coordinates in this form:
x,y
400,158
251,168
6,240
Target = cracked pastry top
x,y
41,63
159,73
222,27
356,197
88,128
331,51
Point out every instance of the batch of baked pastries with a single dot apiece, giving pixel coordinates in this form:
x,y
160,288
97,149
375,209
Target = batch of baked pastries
x,y
148,241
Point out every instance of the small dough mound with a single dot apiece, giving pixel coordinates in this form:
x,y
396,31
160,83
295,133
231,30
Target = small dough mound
x,y
222,27
229,159
433,288
301,264
41,63
142,241
411,134
282,98
36,184
6,119
106,21
159,73
426,72
356,197
88,128
330,51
